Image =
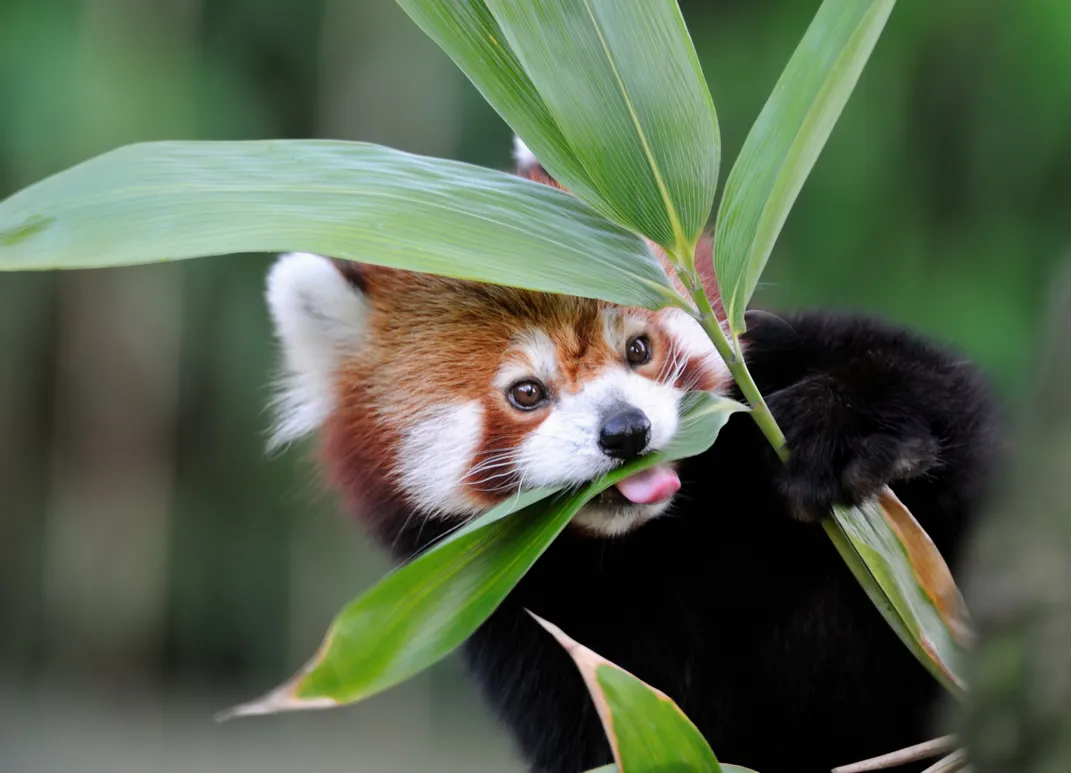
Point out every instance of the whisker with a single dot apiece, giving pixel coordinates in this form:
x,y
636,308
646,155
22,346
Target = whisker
x,y
484,481
487,468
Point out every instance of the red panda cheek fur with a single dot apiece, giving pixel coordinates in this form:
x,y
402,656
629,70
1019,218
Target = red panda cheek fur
x,y
356,454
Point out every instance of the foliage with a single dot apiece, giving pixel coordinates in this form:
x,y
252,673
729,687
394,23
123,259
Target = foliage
x,y
631,160
425,609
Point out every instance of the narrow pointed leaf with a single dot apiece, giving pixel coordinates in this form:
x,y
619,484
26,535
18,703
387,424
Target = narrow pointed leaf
x,y
785,142
422,611
625,88
648,732
471,36
608,95
916,582
724,769
170,200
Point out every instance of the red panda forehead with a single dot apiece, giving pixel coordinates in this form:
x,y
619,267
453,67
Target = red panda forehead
x,y
565,352
430,380
437,338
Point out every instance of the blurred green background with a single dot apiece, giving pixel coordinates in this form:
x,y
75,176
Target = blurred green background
x,y
156,566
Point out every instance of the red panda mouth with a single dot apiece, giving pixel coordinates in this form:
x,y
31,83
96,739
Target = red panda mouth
x,y
649,487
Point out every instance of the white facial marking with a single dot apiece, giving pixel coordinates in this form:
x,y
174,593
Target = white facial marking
x,y
524,157
436,453
533,355
618,327
564,448
319,318
605,521
690,340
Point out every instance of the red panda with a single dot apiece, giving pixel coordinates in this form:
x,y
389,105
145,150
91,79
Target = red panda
x,y
436,399
448,395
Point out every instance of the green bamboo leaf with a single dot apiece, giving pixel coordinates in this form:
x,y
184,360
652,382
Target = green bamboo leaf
x,y
928,612
170,200
648,732
470,35
624,85
725,769
870,586
422,611
609,96
785,142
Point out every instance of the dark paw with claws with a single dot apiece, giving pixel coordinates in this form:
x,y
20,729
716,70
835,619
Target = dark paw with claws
x,y
841,455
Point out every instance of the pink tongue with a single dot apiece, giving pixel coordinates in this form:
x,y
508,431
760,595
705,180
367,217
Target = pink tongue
x,y
653,485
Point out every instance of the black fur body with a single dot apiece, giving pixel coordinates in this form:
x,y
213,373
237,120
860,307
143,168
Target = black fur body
x,y
735,603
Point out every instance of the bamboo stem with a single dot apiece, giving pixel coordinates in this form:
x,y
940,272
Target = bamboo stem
x,y
922,751
953,763
733,356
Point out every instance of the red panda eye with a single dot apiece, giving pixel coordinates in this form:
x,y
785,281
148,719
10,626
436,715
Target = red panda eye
x,y
638,351
527,395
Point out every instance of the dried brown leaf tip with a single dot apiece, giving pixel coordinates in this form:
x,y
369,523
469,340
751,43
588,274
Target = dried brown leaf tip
x,y
929,567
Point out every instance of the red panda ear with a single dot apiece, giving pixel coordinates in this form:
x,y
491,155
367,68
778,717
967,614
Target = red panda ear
x,y
704,265
352,272
319,314
528,166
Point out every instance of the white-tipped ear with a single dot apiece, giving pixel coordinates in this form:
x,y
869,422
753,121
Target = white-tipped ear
x,y
524,157
319,318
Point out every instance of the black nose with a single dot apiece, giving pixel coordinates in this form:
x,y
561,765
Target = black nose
x,y
624,435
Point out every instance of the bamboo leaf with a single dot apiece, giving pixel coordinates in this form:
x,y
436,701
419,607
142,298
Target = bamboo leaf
x,y
624,85
426,608
785,142
471,36
648,732
916,582
609,95
171,200
724,769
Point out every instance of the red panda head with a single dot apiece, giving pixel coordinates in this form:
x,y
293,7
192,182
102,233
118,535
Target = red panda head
x,y
444,397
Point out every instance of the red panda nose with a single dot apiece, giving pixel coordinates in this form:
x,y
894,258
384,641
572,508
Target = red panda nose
x,y
624,435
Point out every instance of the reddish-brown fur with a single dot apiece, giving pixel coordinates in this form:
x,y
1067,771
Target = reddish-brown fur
x,y
433,340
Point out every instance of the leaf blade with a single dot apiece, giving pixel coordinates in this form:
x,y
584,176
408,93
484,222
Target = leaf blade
x,y
469,34
612,768
647,731
425,609
785,141
656,171
625,88
173,200
915,581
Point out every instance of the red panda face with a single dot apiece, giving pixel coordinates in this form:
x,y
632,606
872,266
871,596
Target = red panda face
x,y
444,398
449,397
